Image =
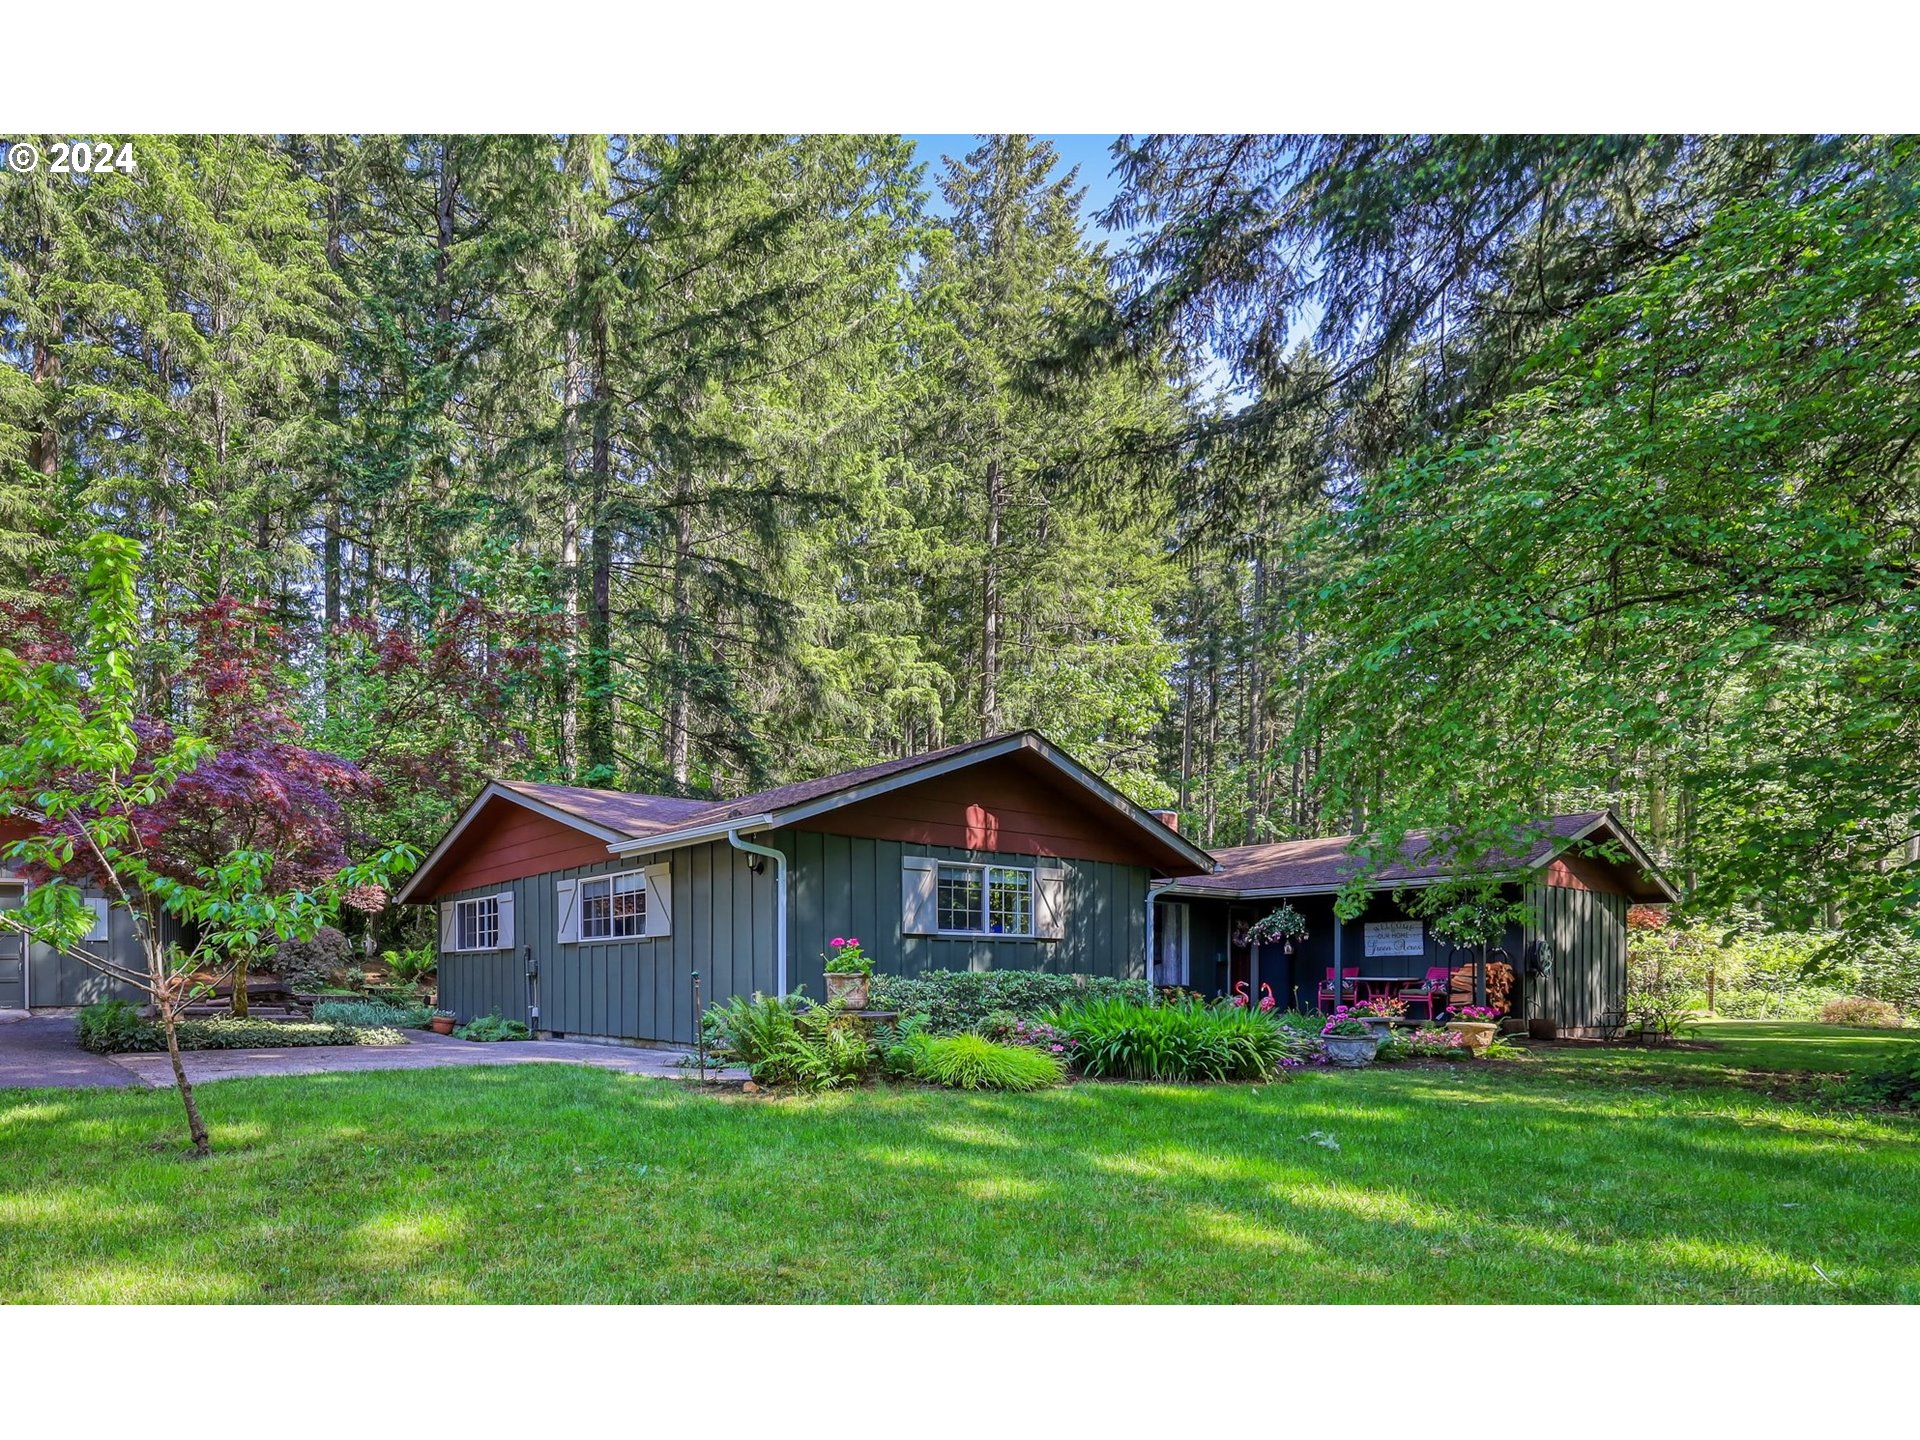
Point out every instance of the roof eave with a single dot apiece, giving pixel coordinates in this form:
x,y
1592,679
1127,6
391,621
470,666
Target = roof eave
x,y
496,790
689,835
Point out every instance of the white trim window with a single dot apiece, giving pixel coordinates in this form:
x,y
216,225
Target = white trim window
x,y
984,900
614,907
476,923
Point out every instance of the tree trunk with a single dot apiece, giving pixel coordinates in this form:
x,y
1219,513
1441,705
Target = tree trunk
x,y
990,606
43,451
564,697
679,626
599,707
196,1127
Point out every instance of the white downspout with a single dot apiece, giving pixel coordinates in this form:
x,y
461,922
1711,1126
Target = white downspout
x,y
779,859
1153,892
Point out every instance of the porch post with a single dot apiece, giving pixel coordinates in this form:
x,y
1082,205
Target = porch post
x,y
1480,974
1337,972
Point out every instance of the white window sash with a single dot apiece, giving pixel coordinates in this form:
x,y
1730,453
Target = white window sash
x,y
467,918
605,890
987,874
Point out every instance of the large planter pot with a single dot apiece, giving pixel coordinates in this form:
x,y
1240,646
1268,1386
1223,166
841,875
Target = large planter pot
x,y
1382,1028
848,989
1479,1033
441,1024
1351,1051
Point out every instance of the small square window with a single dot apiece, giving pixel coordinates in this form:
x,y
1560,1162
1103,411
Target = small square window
x,y
476,924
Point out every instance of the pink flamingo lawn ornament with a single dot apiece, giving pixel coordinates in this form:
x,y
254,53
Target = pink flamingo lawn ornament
x,y
1241,995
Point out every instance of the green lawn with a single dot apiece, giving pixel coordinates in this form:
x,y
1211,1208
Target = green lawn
x,y
1575,1177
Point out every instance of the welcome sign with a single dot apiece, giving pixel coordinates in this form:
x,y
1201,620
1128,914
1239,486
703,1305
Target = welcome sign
x,y
1395,937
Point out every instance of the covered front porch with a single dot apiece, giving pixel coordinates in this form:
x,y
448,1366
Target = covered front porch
x,y
1203,944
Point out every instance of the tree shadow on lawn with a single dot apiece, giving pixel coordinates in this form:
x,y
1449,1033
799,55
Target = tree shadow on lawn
x,y
563,1184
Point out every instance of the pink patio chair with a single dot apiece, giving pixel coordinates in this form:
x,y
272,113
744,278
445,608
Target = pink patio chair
x,y
1429,994
1348,991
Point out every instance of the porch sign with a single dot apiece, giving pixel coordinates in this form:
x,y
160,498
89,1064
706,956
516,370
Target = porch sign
x,y
1394,937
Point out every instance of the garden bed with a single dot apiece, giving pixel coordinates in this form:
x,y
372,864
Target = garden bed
x,y
123,1037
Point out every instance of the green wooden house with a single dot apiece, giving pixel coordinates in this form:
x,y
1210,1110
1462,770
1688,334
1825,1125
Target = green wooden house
x,y
588,913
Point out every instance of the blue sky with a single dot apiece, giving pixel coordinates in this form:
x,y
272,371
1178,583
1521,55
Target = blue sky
x,y
1089,152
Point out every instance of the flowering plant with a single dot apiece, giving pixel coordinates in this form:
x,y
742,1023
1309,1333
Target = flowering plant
x,y
848,958
1430,1040
1283,923
1474,1014
1381,1007
1344,1022
1007,1029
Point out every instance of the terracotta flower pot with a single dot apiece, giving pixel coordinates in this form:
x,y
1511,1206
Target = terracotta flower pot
x,y
1479,1033
441,1024
1351,1051
848,989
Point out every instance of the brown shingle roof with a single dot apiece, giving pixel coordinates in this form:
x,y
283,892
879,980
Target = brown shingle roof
x,y
628,814
636,816
1328,862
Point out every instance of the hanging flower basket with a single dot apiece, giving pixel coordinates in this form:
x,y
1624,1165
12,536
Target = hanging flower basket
x,y
1284,925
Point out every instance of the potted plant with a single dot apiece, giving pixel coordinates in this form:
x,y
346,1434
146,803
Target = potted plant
x,y
1379,1013
441,1022
849,969
1477,1024
1348,1040
1283,924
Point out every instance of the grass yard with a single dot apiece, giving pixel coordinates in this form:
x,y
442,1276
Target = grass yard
x,y
1579,1176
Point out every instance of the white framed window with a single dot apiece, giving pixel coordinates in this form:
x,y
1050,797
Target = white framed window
x,y
476,923
984,900
614,907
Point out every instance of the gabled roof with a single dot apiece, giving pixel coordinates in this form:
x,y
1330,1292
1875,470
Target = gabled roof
x,y
631,822
1319,866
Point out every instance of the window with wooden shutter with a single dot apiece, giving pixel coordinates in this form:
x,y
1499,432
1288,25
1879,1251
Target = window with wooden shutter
x,y
566,896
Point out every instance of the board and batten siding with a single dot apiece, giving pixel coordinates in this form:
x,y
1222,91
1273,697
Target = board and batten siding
x,y
641,988
850,885
1587,932
724,924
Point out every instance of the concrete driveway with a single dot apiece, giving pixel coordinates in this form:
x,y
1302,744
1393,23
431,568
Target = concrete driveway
x,y
36,1050
39,1050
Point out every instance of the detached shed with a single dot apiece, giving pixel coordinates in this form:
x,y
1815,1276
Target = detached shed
x,y
38,977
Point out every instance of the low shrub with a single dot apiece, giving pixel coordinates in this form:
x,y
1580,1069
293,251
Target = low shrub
x,y
1893,1083
1858,1010
492,1027
958,1001
1117,1039
147,1036
789,1042
307,965
1007,1029
109,1027
371,1012
972,1062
